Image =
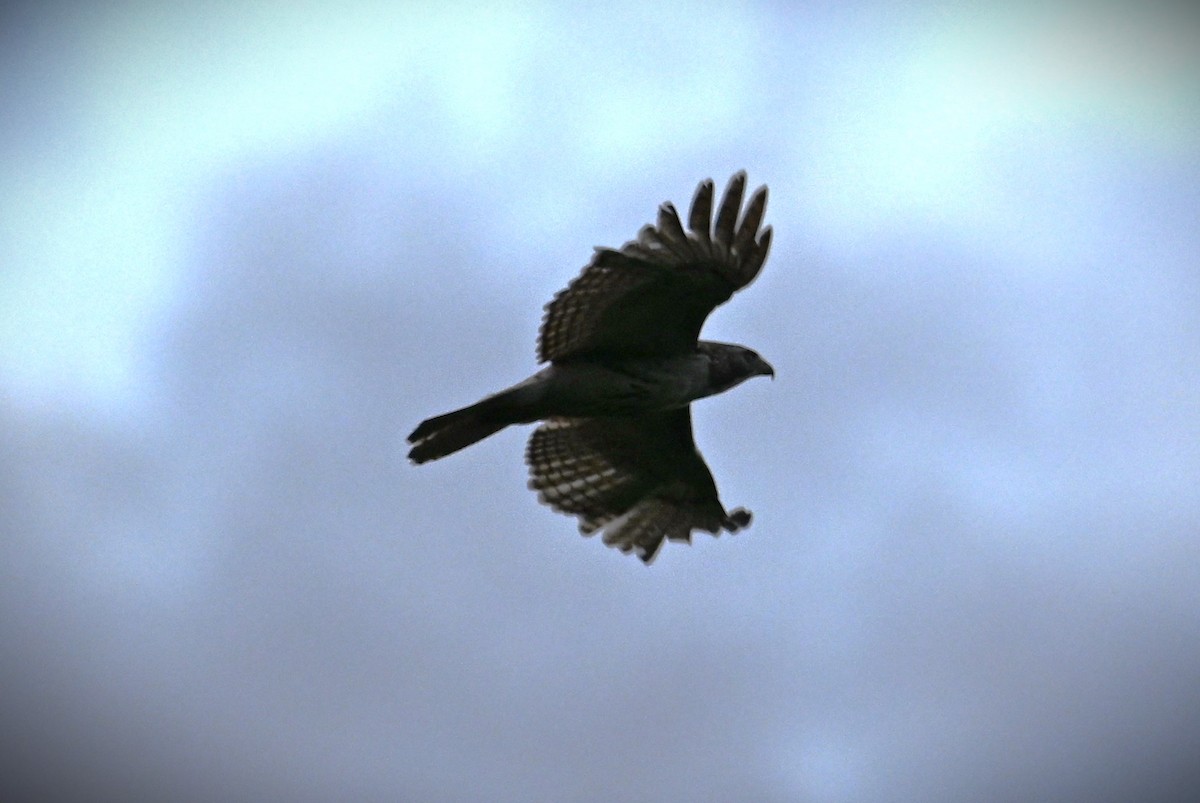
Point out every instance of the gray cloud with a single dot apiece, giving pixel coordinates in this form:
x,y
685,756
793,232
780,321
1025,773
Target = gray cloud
x,y
972,573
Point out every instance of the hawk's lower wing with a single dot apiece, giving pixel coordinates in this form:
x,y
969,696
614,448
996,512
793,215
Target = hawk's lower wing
x,y
639,479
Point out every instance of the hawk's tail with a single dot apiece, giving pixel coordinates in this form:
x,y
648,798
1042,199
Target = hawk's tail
x,y
445,434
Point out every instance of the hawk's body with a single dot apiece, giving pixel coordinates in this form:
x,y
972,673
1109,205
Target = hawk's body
x,y
625,363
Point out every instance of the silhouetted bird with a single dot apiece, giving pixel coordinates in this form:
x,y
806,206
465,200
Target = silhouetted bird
x,y
625,363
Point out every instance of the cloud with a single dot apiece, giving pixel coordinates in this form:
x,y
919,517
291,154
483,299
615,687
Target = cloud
x,y
971,573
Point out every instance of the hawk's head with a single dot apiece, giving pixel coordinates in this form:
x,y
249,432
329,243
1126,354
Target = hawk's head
x,y
730,365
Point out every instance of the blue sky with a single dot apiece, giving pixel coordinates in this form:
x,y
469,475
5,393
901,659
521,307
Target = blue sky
x,y
246,249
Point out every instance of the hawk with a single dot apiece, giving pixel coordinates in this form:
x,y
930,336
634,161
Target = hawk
x,y
625,361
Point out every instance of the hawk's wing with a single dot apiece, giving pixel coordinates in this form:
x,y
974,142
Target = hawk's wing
x,y
651,297
637,479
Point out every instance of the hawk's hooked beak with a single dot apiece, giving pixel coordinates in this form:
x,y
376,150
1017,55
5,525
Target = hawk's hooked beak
x,y
764,369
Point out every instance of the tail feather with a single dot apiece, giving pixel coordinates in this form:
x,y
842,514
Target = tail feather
x,y
445,434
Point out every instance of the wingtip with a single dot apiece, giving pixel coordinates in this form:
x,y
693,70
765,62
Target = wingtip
x,y
759,196
741,177
764,240
738,519
700,213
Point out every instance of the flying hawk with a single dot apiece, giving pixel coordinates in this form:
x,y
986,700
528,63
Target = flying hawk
x,y
625,363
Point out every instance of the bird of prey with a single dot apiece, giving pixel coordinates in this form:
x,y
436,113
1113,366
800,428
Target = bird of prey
x,y
625,361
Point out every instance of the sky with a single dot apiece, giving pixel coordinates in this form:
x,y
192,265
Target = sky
x,y
245,248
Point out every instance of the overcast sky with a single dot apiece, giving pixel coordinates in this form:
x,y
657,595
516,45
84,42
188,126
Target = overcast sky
x,y
245,248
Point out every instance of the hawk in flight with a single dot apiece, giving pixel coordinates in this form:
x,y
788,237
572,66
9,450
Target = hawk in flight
x,y
625,362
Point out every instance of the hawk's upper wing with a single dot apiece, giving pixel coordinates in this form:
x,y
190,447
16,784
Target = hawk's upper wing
x,y
651,297
638,479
